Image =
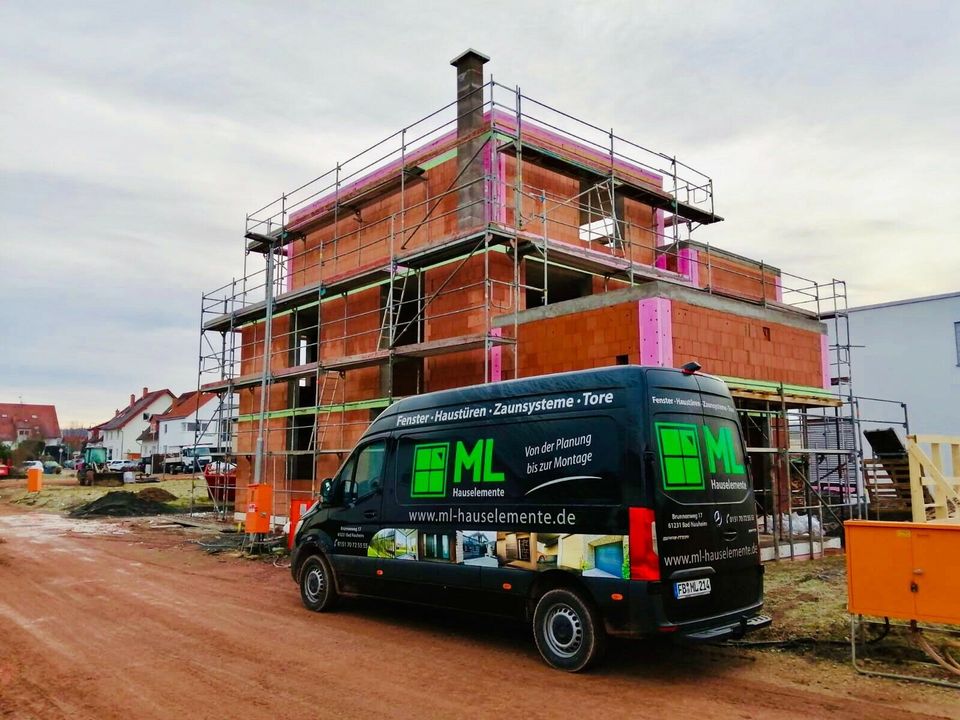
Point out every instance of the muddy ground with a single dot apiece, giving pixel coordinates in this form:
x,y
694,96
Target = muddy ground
x,y
131,619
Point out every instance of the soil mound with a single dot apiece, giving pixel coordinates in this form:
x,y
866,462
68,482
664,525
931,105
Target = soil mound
x,y
156,495
120,503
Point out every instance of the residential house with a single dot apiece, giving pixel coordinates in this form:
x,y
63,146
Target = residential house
x,y
120,434
20,422
192,420
75,438
148,439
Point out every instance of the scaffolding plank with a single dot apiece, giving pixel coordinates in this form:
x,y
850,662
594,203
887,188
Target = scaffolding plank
x,y
430,348
790,400
448,250
343,283
592,261
284,374
360,360
258,310
460,343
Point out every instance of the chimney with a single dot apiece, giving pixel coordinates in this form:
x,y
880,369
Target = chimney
x,y
133,398
470,196
116,412
145,391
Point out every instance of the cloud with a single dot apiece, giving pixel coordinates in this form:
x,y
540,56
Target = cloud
x,y
136,136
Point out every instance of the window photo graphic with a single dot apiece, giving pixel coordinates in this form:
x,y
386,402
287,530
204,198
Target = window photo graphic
x,y
589,555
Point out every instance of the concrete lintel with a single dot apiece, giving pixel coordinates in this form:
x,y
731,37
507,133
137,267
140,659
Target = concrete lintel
x,y
671,291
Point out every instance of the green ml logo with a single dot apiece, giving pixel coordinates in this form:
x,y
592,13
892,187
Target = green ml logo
x,y
430,466
681,466
430,470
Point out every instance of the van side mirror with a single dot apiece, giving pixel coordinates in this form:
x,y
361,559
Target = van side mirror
x,y
326,491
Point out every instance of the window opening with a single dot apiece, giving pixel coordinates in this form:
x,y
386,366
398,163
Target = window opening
x,y
562,284
599,218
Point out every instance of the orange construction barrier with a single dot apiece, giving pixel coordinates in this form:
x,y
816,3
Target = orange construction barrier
x,y
34,480
904,570
297,508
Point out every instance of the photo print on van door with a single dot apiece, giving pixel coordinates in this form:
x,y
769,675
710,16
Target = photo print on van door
x,y
589,555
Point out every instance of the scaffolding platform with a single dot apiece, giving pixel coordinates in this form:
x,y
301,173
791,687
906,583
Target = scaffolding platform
x,y
592,261
646,194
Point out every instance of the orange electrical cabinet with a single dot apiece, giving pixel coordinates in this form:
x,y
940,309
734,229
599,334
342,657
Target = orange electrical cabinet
x,y
903,570
34,479
259,508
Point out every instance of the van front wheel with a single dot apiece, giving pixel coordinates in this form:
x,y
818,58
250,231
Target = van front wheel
x,y
317,590
567,630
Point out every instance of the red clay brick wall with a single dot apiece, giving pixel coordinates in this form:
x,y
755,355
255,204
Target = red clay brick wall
x,y
459,310
423,215
727,344
737,278
593,338
563,212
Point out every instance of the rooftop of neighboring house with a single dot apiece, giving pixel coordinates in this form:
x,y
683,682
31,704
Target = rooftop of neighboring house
x,y
135,410
39,420
187,404
906,301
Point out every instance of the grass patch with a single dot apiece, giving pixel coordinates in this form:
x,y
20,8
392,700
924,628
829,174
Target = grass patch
x,y
807,599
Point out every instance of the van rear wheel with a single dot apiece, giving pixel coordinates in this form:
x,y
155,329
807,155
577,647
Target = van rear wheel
x,y
317,590
569,634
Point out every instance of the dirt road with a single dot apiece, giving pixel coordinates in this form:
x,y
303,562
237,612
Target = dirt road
x,y
112,620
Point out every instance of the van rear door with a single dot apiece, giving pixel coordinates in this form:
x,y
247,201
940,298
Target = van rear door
x,y
703,500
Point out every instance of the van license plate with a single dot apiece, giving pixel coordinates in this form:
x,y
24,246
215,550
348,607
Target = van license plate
x,y
691,588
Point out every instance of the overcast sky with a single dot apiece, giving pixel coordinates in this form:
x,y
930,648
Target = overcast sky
x,y
135,136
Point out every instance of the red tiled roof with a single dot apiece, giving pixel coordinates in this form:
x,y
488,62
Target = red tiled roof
x,y
41,419
186,404
132,411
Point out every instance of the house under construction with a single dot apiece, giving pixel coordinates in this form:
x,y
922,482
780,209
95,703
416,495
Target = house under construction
x,y
496,238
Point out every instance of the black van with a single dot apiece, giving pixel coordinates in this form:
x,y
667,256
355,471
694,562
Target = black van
x,y
607,501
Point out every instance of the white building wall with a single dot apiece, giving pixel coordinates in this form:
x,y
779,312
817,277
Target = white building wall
x,y
909,353
176,433
122,442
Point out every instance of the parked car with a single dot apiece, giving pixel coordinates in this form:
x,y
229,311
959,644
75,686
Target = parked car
x,y
4,470
122,465
32,464
52,467
70,464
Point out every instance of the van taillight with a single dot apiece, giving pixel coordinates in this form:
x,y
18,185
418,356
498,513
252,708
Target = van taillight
x,y
644,561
